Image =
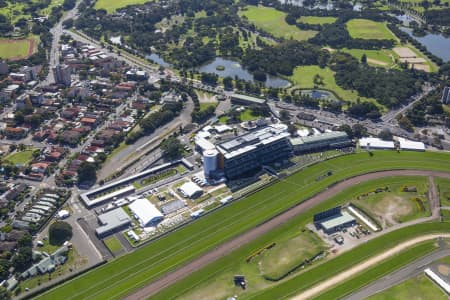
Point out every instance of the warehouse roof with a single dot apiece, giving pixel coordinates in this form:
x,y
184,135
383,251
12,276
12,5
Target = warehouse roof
x,y
335,222
112,220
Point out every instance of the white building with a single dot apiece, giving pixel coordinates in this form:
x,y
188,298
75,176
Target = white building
x,y
376,143
145,212
190,190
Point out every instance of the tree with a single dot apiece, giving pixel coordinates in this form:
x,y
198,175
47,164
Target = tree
x,y
359,131
172,148
284,115
59,232
4,294
364,59
385,135
22,259
347,129
86,172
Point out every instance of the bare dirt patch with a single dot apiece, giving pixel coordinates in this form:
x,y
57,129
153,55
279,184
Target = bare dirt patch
x,y
404,52
393,207
377,62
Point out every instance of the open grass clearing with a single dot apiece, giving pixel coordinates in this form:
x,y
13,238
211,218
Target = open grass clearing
x,y
21,158
245,116
129,272
113,244
111,6
289,253
368,29
394,205
272,21
383,58
303,78
313,20
416,288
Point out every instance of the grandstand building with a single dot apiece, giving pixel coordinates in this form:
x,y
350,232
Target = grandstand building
x,y
324,141
254,149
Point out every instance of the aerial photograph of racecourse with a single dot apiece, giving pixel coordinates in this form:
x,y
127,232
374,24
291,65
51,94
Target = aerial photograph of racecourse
x,y
235,149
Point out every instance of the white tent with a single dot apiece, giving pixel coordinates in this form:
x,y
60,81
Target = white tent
x,y
376,143
145,212
191,190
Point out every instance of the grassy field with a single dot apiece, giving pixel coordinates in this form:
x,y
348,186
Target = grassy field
x,y
417,288
374,57
23,157
272,21
303,78
316,20
113,244
443,186
16,49
246,115
111,6
292,246
395,206
290,252
367,29
129,272
372,274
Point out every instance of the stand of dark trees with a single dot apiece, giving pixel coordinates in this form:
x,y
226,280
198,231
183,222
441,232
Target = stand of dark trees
x,y
283,58
439,17
389,87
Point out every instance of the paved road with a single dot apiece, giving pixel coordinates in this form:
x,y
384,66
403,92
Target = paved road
x,y
256,232
392,279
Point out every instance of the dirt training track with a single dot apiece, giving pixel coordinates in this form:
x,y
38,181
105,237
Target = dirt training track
x,y
250,235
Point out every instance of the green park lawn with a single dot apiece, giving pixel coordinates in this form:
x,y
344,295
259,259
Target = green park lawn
x,y
111,5
22,158
246,115
272,21
368,29
316,20
129,272
113,244
416,288
303,78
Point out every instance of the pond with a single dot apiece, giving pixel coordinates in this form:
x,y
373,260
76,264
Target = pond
x,y
234,69
158,60
437,44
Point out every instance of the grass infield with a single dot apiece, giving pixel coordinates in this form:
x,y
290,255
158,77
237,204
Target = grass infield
x,y
316,20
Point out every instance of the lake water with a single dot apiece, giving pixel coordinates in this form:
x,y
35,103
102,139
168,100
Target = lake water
x,y
158,60
234,69
435,43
